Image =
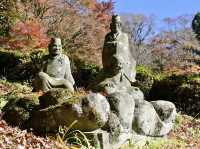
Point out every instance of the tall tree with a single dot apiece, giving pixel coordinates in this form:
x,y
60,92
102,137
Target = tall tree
x,y
82,25
173,47
8,14
140,29
196,25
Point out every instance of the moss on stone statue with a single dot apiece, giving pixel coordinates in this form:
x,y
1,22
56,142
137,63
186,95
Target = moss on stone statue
x,y
74,100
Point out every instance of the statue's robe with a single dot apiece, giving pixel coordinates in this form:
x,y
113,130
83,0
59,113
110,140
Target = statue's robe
x,y
117,57
55,72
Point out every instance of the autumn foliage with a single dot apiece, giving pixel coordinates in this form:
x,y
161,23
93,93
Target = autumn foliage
x,y
29,34
82,25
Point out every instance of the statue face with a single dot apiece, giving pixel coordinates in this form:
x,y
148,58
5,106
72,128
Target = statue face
x,y
115,27
56,47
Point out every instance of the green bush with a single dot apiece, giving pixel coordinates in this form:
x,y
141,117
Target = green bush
x,y
144,70
196,25
145,78
18,66
182,90
85,73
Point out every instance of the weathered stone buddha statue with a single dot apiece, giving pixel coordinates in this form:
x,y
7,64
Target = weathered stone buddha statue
x,y
55,71
127,102
117,59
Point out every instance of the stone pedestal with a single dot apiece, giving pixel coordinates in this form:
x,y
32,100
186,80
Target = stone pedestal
x,y
102,140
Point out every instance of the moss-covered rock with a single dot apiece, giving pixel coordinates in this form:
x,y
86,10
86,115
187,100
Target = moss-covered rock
x,y
57,107
54,97
122,104
3,102
18,109
89,111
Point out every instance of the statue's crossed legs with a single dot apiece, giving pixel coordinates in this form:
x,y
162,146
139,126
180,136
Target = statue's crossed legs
x,y
45,82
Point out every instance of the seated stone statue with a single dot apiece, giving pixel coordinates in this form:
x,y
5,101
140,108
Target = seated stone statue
x,y
55,71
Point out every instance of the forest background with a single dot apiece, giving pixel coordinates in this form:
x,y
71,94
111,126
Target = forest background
x,y
27,26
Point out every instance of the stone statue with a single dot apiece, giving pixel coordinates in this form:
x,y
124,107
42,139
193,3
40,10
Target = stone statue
x,y
55,71
116,58
126,101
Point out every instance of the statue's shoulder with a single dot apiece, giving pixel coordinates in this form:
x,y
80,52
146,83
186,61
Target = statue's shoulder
x,y
65,57
125,35
108,35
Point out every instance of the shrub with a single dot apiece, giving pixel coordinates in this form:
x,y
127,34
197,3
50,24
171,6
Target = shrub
x,y
196,25
182,90
85,73
145,78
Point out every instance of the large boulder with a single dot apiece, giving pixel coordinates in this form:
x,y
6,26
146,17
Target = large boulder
x,y
165,109
123,105
56,97
18,110
151,122
91,111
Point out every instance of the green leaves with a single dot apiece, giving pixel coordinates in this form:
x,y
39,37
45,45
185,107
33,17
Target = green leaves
x,y
196,25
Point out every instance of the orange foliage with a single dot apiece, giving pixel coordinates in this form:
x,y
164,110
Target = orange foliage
x,y
192,69
28,35
81,24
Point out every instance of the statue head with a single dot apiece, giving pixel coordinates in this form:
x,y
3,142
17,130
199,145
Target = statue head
x,y
55,47
115,26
